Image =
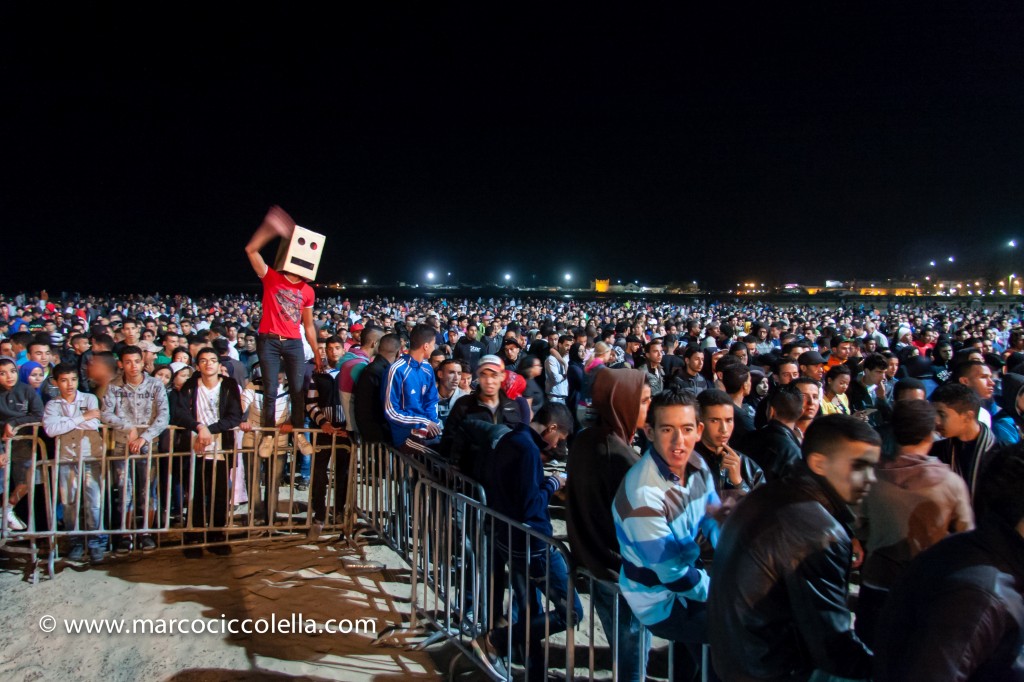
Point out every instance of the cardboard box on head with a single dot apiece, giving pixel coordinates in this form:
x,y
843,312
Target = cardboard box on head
x,y
300,255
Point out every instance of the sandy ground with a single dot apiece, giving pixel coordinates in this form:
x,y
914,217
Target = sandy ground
x,y
258,580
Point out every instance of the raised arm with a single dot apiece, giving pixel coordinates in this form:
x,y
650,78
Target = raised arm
x,y
277,223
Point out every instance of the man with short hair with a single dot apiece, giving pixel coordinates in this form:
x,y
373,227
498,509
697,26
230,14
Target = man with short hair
x,y
169,344
367,407
966,442
556,371
468,349
662,507
135,406
653,355
977,376
737,383
958,612
410,394
778,609
73,420
690,378
449,375
775,447
811,392
735,474
866,393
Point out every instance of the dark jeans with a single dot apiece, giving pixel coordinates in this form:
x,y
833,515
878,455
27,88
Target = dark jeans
x,y
276,355
548,575
318,486
686,625
210,492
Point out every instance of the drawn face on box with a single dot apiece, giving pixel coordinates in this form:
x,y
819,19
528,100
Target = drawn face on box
x,y
301,255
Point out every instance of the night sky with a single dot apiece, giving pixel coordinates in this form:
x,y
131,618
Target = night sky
x,y
142,146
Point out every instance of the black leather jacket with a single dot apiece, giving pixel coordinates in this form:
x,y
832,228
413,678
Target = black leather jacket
x,y
958,612
774,448
777,608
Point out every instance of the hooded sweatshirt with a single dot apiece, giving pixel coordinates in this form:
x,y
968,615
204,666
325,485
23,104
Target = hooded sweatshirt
x,y
916,502
598,461
1009,423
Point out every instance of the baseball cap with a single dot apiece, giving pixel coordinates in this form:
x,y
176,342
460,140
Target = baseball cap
x,y
492,362
811,357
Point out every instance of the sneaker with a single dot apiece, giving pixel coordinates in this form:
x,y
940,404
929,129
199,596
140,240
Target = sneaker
x,y
301,484
303,444
124,546
147,543
266,446
95,554
76,553
314,531
13,522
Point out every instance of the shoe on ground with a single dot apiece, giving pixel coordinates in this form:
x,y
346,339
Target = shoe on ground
x,y
95,554
303,444
220,550
266,446
301,484
192,552
314,531
76,553
13,522
124,546
147,543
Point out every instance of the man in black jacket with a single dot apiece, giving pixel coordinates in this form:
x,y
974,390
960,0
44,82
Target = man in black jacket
x,y
209,405
367,399
488,403
776,447
777,608
958,613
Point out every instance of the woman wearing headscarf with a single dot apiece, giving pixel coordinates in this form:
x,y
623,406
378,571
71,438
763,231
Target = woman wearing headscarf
x,y
32,375
20,404
575,377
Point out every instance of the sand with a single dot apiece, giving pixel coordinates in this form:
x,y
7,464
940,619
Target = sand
x,y
261,579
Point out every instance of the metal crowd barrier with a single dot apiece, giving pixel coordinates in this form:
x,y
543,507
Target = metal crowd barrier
x,y
166,492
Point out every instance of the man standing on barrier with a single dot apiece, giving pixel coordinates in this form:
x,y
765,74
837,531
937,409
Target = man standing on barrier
x,y
664,504
516,485
135,406
287,310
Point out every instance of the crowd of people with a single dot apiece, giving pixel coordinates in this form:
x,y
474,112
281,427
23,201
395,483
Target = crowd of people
x,y
729,465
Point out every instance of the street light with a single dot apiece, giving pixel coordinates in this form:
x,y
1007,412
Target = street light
x,y
931,263
1012,243
364,280
508,277
950,259
430,275
568,277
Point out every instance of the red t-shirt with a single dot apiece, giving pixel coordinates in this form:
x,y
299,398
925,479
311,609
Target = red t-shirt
x,y
283,303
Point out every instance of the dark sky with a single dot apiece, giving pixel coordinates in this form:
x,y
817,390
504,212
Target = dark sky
x,y
142,147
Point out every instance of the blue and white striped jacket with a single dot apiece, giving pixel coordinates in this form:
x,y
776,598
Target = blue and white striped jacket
x,y
657,520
